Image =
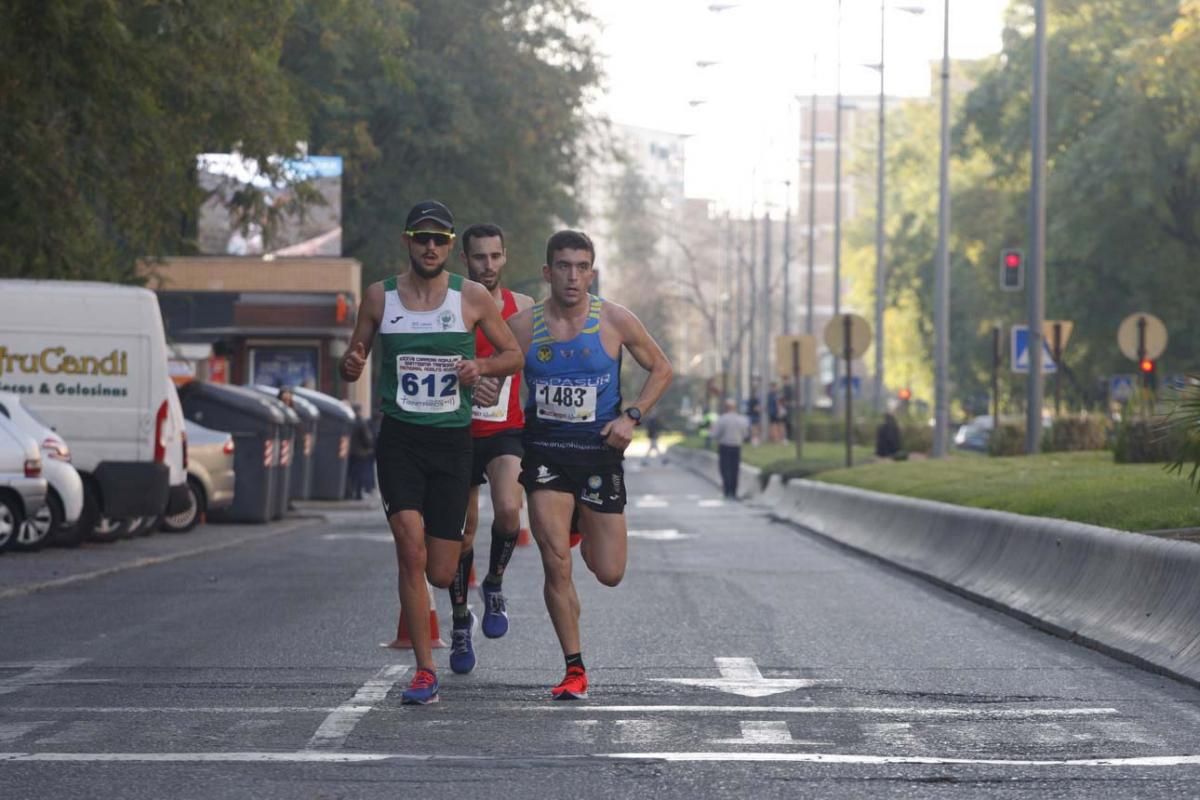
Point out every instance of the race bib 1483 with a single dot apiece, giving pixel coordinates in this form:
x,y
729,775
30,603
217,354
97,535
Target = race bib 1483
x,y
565,403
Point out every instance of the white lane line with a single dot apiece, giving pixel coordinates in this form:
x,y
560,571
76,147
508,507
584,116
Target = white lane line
x,y
711,503
364,536
562,708
766,733
149,561
741,676
650,501
34,672
882,711
338,726
317,756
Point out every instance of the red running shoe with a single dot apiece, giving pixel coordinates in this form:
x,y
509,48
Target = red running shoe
x,y
573,686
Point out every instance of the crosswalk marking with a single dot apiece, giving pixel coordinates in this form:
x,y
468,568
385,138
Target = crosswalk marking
x,y
340,724
33,672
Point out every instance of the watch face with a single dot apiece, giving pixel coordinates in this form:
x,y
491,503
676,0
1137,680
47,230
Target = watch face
x,y
634,413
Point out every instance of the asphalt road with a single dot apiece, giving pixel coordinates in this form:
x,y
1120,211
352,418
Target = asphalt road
x,y
739,658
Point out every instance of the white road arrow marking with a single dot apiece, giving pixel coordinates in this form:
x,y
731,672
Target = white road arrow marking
x,y
659,535
759,732
741,676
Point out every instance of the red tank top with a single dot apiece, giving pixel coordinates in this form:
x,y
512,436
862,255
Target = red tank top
x,y
506,415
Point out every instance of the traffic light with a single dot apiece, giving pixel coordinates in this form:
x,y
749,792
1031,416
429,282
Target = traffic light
x,y
1147,367
905,394
1012,270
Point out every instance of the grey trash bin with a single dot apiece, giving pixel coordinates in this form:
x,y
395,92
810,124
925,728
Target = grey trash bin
x,y
256,425
332,452
300,486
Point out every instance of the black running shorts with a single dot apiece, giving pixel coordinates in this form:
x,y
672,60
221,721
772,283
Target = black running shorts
x,y
426,469
506,443
600,487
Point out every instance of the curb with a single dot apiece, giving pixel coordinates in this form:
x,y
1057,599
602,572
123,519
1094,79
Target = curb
x,y
1130,596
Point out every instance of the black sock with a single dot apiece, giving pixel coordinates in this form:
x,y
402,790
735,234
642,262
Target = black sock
x,y
458,587
575,660
503,544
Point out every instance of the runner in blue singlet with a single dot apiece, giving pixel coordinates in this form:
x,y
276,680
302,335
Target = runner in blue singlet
x,y
576,433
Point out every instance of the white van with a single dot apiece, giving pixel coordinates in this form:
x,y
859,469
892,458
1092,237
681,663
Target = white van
x,y
91,359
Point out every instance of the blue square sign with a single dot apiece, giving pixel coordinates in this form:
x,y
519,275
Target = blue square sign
x,y
1020,351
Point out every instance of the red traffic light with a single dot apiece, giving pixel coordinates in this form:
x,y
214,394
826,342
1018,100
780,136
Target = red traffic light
x,y
1012,259
905,394
1146,365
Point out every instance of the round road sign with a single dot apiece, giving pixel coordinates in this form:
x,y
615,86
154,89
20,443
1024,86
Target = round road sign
x,y
1155,337
860,335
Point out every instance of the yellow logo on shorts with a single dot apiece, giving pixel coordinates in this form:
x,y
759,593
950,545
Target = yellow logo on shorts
x,y
544,353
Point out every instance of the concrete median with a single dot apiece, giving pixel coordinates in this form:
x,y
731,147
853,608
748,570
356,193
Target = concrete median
x,y
1132,596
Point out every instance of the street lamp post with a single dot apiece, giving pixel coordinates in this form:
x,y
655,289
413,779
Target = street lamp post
x,y
837,202
1036,276
941,280
809,322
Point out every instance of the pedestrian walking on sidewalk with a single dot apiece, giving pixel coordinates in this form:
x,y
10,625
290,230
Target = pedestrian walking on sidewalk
x,y
730,432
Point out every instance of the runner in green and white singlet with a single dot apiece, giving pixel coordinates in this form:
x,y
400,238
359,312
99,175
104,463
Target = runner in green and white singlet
x,y
426,320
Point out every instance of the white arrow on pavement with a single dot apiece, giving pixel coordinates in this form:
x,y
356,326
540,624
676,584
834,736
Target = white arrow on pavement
x,y
741,676
757,732
659,534
364,536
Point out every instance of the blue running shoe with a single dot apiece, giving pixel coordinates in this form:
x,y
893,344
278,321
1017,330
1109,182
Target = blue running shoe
x,y
495,611
462,654
422,691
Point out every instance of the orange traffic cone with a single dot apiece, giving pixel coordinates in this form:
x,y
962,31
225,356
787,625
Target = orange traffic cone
x,y
403,640
524,537
471,582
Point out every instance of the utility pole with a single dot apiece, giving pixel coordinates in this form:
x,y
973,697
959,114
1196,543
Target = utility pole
x,y
765,372
1035,278
787,260
837,200
941,282
879,209
809,322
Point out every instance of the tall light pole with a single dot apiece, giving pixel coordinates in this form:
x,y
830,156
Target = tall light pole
x,y
941,279
837,202
880,203
809,322
1036,276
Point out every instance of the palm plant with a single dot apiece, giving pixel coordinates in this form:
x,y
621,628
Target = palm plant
x,y
1185,418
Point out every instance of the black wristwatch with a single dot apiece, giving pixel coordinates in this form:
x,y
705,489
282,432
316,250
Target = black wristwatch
x,y
635,414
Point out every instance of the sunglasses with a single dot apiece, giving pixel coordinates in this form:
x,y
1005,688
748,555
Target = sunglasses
x,y
430,237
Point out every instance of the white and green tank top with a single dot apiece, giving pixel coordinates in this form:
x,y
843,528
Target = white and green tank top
x,y
418,383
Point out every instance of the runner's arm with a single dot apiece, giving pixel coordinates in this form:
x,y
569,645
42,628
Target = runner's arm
x,y
370,312
637,340
508,357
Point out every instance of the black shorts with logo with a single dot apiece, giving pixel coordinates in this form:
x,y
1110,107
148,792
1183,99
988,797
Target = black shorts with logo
x,y
505,443
600,487
426,469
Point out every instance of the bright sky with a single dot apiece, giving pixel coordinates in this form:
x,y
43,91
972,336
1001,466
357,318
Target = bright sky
x,y
744,135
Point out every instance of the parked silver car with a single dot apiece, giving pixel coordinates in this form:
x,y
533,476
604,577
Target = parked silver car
x,y
22,487
54,522
210,476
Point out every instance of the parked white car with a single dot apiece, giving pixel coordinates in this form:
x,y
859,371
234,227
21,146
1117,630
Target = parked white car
x,y
22,487
211,478
55,522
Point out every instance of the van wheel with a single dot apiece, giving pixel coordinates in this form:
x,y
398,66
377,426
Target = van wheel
x,y
36,530
107,530
186,520
141,526
10,519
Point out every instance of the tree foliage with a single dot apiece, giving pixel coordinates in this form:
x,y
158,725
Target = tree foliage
x,y
1123,206
104,105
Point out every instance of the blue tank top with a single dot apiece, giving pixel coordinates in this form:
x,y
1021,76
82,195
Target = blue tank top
x,y
574,391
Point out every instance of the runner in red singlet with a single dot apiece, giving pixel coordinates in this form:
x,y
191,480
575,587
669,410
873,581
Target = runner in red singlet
x,y
496,425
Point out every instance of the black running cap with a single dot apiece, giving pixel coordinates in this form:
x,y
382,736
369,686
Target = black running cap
x,y
432,210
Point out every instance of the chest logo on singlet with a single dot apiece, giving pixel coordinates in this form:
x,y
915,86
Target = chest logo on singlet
x,y
545,353
447,319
